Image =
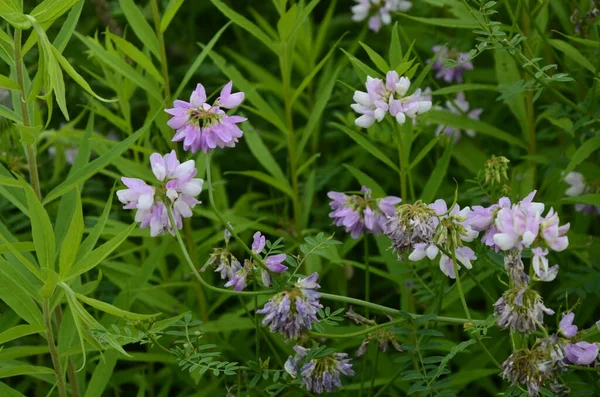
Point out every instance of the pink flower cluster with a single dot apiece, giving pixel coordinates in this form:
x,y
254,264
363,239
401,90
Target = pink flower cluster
x,y
358,213
514,227
203,126
378,11
390,97
464,255
578,353
178,192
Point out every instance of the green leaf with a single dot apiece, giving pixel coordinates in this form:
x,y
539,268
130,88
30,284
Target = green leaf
x,y
582,153
8,391
368,146
120,66
41,228
464,122
90,242
263,155
102,375
366,180
98,164
140,26
453,89
377,59
20,331
421,155
507,72
169,13
76,76
585,42
437,176
68,27
93,259
395,51
10,114
19,370
115,311
49,10
9,83
573,54
6,181
70,244
261,176
24,246
12,247
444,22
15,297
287,22
136,55
360,67
590,199
245,24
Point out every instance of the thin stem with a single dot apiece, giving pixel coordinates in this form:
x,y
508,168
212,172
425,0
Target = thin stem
x,y
367,274
357,333
62,387
31,151
401,162
459,286
163,54
71,373
256,325
582,368
391,382
374,373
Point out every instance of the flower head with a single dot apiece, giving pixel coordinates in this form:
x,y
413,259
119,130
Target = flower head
x,y
460,105
581,353
566,325
224,263
358,213
451,74
521,310
176,193
203,126
411,224
319,373
378,11
390,97
293,311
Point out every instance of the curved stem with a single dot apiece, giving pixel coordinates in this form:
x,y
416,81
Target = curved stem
x,y
61,385
357,333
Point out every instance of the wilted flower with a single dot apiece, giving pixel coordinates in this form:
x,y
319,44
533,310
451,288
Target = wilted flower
x,y
581,353
460,105
450,74
521,310
274,263
224,263
388,97
537,366
357,213
177,194
378,11
203,126
293,311
566,325
410,225
321,373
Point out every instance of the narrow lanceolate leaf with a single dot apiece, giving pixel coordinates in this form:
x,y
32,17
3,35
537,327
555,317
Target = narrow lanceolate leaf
x,y
100,163
137,56
582,153
245,24
90,242
261,176
95,257
72,240
169,13
464,122
590,199
19,300
19,370
263,155
377,59
9,83
444,22
49,10
573,54
437,176
366,180
368,146
140,26
20,331
41,228
67,28
115,311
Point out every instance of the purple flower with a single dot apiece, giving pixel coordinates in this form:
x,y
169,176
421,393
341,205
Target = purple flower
x,y
566,325
464,256
378,11
581,353
178,193
358,213
553,234
540,265
577,187
203,126
459,106
388,97
319,374
291,312
519,225
521,310
224,262
451,74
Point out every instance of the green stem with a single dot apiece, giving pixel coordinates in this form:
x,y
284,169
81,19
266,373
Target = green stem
x,y
374,373
391,382
582,368
357,333
31,151
256,325
401,162
61,385
459,286
367,274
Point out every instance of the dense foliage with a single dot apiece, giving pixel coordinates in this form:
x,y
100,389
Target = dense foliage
x,y
294,197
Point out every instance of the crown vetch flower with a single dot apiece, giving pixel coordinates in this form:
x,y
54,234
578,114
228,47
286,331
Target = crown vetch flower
x,y
358,213
202,126
410,225
451,74
378,10
320,374
388,97
177,193
460,105
566,325
540,265
293,311
581,353
224,262
577,187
